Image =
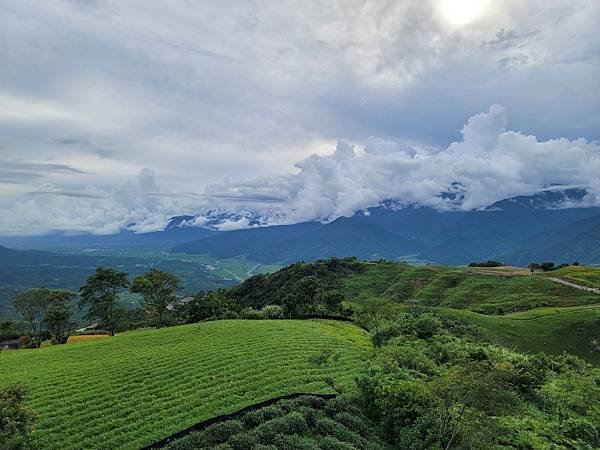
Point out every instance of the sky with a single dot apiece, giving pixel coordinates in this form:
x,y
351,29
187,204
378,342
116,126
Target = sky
x,y
121,114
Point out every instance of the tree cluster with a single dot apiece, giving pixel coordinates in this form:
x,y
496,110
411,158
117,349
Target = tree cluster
x,y
47,313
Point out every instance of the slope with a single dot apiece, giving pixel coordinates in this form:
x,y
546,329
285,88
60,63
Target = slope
x,y
133,389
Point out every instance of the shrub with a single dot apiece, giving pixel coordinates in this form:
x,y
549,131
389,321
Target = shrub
x,y
331,443
352,422
251,314
272,312
329,427
386,331
255,418
283,441
243,441
219,433
15,419
293,423
426,326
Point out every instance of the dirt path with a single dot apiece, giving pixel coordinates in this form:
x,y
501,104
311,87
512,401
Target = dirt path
x,y
575,285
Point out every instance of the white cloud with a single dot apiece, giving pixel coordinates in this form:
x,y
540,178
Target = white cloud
x,y
488,164
213,90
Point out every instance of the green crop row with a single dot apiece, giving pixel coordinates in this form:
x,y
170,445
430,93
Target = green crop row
x,y
135,388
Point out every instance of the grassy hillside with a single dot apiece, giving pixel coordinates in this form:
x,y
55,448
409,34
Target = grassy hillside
x,y
133,389
584,275
549,330
462,288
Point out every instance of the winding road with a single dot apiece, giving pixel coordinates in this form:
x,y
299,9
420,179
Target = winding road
x,y
575,285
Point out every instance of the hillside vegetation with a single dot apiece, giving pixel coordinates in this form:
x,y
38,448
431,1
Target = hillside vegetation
x,y
136,388
305,423
462,288
584,275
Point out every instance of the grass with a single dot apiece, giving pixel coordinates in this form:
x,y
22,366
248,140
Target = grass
x,y
133,389
463,288
584,275
549,330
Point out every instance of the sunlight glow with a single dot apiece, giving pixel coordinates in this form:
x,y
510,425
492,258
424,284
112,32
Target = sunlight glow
x,y
462,12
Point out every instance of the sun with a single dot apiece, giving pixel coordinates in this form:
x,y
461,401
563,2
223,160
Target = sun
x,y
462,12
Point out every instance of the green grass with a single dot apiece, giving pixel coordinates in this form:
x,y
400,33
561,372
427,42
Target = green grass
x,y
549,330
133,389
462,288
584,275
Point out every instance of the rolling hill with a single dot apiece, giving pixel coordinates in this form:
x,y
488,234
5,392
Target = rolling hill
x,y
139,387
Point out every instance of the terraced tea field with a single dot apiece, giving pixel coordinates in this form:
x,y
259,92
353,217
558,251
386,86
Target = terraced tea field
x,y
133,389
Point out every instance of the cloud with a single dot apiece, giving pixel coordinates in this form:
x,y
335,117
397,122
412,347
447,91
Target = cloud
x,y
488,164
213,91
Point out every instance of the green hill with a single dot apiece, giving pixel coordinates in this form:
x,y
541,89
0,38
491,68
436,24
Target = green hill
x,y
549,330
584,275
462,288
133,389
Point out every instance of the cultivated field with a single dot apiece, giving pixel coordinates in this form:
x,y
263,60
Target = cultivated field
x,y
133,389
484,291
549,330
584,275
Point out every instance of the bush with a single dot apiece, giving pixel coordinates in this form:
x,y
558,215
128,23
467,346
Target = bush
x,y
15,419
283,441
251,314
255,418
331,443
220,433
329,427
243,441
489,263
272,312
352,422
293,423
427,326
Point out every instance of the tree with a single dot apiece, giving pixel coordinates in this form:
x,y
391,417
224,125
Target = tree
x,y
15,419
158,290
547,266
533,267
58,315
32,305
45,310
101,294
9,329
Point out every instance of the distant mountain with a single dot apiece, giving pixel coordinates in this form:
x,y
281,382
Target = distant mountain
x,y
304,241
578,241
512,230
454,237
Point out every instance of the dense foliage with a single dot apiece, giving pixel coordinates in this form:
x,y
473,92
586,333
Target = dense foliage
x,y
15,420
135,388
304,423
431,387
300,288
46,312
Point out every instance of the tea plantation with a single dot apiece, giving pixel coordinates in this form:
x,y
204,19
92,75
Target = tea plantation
x,y
136,388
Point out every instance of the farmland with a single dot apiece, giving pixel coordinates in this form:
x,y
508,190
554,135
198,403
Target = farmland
x,y
135,388
462,288
549,330
584,275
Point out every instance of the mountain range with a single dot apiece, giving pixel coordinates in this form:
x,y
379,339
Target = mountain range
x,y
544,226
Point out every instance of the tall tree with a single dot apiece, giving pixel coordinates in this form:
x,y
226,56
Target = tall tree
x,y
32,305
158,290
101,294
58,315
